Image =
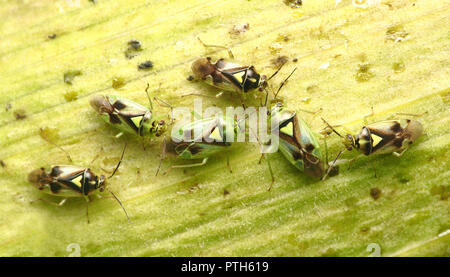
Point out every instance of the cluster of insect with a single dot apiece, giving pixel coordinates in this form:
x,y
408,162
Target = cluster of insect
x,y
297,142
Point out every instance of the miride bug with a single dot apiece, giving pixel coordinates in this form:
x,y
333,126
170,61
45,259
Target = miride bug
x,y
129,116
228,75
72,181
383,137
296,142
201,139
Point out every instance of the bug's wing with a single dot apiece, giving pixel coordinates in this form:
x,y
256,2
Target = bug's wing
x,y
386,136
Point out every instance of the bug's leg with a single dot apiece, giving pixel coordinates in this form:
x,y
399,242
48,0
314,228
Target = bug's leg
x,y
350,162
50,202
163,155
333,165
401,153
203,162
394,115
228,164
118,135
260,159
230,54
87,207
375,172
199,94
271,173
148,97
283,83
87,212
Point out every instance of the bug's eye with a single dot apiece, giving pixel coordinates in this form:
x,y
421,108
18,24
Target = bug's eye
x,y
101,189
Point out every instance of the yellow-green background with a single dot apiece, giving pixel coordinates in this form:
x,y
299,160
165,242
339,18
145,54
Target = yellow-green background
x,y
186,213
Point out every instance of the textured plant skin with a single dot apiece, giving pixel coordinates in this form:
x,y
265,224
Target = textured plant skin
x,y
392,57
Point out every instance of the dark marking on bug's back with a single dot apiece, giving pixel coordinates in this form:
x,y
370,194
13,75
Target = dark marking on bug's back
x,y
55,171
396,127
309,147
119,105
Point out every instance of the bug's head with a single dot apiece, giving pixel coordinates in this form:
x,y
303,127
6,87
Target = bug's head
x,y
159,127
39,178
101,183
202,68
413,130
349,142
101,104
263,83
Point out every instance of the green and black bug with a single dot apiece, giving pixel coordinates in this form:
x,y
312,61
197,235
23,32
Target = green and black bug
x,y
201,139
388,136
129,116
72,181
228,75
297,142
383,137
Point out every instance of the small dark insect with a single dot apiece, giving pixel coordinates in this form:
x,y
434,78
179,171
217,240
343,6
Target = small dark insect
x,y
52,36
145,65
135,44
225,192
134,47
70,75
375,193
295,60
20,114
293,3
190,78
2,163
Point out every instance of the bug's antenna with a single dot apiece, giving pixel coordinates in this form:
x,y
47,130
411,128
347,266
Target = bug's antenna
x,y
163,155
284,82
267,97
118,164
120,203
331,127
217,46
159,100
276,72
42,134
148,96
